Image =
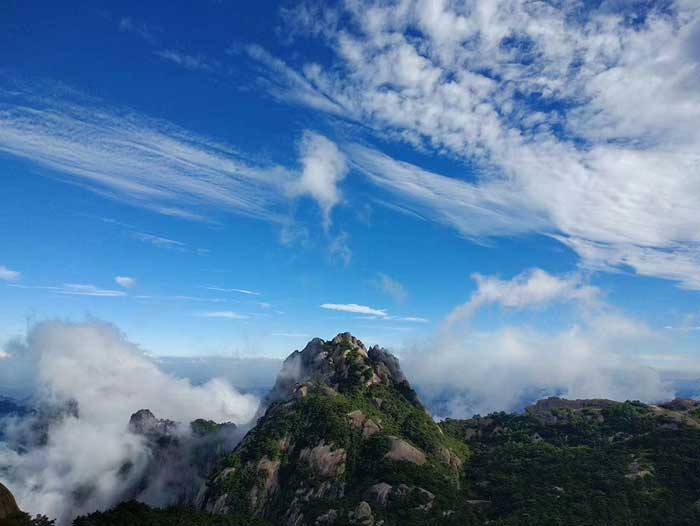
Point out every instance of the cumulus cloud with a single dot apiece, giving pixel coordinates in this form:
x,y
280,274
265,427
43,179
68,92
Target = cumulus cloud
x,y
505,369
324,166
125,281
579,122
602,354
531,288
8,275
92,379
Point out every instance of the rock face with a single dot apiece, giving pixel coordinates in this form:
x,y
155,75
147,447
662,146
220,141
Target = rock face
x,y
179,456
8,505
342,425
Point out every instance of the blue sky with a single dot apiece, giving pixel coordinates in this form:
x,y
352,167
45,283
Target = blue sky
x,y
266,173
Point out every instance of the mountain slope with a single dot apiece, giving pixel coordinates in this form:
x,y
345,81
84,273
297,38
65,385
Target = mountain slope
x,y
344,440
343,429
585,462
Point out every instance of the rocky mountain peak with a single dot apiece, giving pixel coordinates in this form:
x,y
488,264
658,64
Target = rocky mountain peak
x,y
143,422
340,364
341,426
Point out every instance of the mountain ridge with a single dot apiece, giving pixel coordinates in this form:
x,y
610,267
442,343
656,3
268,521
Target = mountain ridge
x,y
343,439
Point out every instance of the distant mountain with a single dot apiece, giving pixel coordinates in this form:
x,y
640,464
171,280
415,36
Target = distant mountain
x,y
344,440
181,456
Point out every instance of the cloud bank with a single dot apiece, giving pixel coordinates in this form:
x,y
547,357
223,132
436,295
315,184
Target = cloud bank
x,y
461,371
87,380
458,376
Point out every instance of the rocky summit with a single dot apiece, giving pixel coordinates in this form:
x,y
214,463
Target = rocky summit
x,y
343,440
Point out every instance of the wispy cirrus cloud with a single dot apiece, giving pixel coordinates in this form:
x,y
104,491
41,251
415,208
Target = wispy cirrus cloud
x,y
371,312
354,308
134,158
76,289
129,25
391,287
572,122
239,291
159,241
189,61
225,314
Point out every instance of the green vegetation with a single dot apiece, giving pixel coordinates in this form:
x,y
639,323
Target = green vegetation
x,y
353,434
622,465
24,519
134,513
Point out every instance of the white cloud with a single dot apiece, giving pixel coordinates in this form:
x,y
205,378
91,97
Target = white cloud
x,y
9,275
354,308
125,281
134,158
76,289
227,314
240,291
504,369
371,313
324,166
532,288
109,378
79,289
580,124
158,241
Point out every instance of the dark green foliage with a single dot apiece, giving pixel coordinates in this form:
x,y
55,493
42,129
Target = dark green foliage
x,y
24,519
134,513
617,466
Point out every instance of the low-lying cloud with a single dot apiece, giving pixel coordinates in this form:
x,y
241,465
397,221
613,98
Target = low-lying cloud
x,y
462,371
87,380
503,370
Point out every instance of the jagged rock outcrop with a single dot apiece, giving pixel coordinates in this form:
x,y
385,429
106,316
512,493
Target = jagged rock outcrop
x,y
340,420
180,456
